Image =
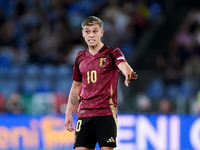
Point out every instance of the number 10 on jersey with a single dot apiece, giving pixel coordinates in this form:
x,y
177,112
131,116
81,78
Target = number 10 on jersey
x,y
92,76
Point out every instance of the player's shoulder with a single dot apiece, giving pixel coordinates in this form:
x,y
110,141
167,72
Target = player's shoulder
x,y
80,54
113,49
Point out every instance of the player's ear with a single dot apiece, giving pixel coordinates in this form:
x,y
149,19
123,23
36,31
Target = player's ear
x,y
82,33
102,32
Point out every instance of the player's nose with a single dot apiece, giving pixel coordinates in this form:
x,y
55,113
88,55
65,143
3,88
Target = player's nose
x,y
91,34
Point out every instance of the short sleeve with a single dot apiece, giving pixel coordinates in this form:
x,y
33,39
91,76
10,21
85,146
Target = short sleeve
x,y
118,56
76,72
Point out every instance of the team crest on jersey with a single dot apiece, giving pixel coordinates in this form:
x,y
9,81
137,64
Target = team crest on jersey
x,y
102,62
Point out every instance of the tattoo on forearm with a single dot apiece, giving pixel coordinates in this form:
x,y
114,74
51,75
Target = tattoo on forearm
x,y
74,98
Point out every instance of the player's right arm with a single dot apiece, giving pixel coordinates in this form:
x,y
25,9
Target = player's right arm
x,y
72,100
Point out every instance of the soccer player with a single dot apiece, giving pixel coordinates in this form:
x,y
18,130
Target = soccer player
x,y
95,78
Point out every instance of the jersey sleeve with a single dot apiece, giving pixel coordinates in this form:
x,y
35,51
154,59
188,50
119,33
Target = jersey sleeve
x,y
118,56
76,72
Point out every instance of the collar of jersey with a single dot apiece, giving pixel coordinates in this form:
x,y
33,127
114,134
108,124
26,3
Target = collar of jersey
x,y
101,50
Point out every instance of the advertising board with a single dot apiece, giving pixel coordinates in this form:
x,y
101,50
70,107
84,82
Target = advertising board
x,y
135,132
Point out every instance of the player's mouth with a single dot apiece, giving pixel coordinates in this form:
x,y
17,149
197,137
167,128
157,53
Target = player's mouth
x,y
91,41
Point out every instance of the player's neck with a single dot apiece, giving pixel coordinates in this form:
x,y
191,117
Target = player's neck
x,y
94,49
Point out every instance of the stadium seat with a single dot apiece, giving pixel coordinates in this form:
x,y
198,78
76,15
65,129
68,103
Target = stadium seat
x,y
9,86
155,89
32,70
186,88
45,85
48,71
4,72
173,91
63,85
5,61
29,86
15,72
63,71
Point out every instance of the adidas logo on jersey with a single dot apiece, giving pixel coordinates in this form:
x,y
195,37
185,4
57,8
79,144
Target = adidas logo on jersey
x,y
111,139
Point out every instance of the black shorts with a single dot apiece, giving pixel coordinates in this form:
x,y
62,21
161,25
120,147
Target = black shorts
x,y
101,129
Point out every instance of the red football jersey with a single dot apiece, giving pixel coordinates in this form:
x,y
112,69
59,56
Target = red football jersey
x,y
99,76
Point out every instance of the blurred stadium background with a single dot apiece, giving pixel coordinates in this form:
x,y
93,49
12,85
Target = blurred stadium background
x,y
38,43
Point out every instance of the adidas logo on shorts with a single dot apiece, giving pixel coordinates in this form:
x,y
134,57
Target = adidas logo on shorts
x,y
111,139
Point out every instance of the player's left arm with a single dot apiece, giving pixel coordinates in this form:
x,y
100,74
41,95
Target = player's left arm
x,y
127,72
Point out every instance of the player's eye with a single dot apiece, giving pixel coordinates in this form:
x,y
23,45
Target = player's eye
x,y
87,31
95,31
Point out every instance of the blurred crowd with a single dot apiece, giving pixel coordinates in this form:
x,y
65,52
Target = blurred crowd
x,y
48,31
179,67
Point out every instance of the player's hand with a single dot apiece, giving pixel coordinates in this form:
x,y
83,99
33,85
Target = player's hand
x,y
68,123
130,76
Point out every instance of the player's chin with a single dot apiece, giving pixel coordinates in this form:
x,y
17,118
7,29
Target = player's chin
x,y
93,44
